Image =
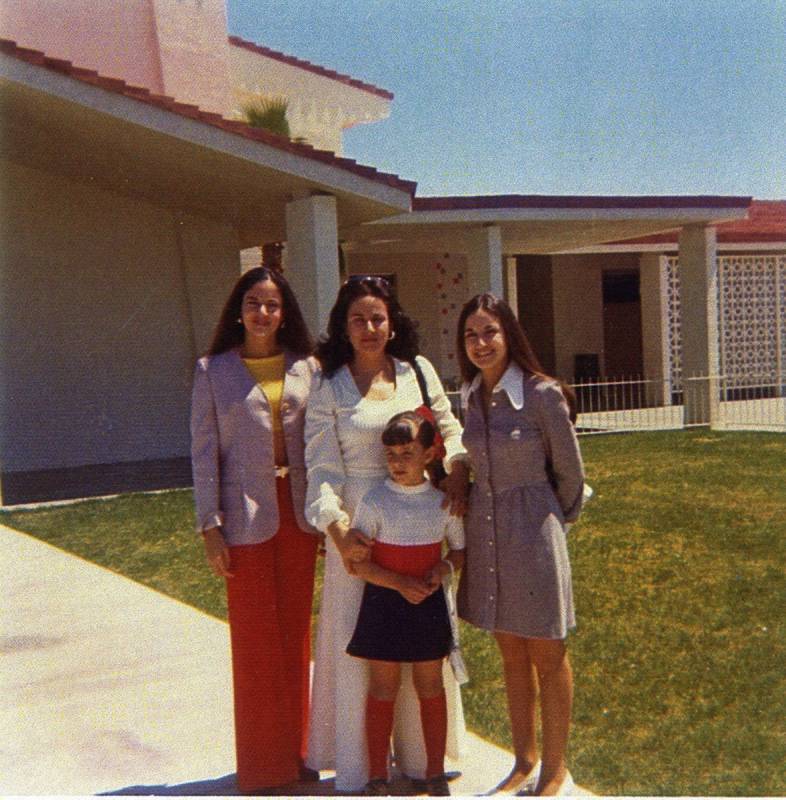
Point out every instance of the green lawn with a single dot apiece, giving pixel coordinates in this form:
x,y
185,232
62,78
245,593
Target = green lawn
x,y
679,576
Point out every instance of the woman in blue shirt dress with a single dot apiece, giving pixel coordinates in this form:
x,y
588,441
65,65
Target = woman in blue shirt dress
x,y
528,485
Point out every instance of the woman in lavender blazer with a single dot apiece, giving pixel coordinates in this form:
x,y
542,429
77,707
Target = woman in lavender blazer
x,y
247,418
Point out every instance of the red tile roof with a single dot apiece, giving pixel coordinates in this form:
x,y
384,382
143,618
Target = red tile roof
x,y
307,65
766,222
507,201
144,95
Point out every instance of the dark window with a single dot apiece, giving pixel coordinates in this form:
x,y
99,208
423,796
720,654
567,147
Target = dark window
x,y
620,287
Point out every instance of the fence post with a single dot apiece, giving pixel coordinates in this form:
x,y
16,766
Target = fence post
x,y
780,312
714,391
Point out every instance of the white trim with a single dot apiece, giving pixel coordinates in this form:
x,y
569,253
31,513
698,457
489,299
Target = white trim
x,y
671,247
169,123
678,216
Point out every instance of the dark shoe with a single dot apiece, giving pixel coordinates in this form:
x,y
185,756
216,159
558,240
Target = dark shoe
x,y
377,787
307,775
437,786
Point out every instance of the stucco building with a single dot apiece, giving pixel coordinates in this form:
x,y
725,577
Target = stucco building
x,y
131,189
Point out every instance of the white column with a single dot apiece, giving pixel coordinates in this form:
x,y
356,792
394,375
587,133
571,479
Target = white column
x,y
511,284
699,309
653,287
484,261
312,257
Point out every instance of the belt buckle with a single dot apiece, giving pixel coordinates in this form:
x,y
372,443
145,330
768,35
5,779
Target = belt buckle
x,y
282,472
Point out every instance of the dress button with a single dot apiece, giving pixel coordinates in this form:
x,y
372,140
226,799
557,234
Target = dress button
x,y
494,404
488,518
491,569
491,542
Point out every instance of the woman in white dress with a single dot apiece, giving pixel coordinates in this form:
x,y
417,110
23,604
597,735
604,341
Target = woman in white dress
x,y
367,376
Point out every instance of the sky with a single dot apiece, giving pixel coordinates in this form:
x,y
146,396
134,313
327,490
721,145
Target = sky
x,y
555,96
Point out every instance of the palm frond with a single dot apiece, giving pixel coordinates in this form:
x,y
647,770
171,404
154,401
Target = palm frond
x,y
269,113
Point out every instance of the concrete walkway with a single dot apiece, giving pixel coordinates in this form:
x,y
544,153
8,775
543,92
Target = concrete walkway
x,y
110,687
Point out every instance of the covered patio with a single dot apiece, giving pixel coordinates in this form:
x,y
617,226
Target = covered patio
x,y
520,246
125,213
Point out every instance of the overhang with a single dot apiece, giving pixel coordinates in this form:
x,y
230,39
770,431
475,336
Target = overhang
x,y
763,230
73,122
541,224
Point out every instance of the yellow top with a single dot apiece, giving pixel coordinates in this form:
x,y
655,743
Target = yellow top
x,y
269,374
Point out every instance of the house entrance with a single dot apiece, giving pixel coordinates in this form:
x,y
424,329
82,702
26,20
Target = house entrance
x,y
622,348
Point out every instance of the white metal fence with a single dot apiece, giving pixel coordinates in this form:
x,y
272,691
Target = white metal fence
x,y
723,403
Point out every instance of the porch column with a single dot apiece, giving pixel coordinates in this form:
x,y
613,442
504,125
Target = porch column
x,y
699,311
511,284
484,261
312,257
654,291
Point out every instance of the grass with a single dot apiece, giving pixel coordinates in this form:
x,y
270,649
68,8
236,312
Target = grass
x,y
678,566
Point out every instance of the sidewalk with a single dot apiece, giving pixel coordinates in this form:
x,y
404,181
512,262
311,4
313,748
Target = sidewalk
x,y
110,687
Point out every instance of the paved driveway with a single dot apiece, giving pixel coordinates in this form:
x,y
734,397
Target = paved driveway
x,y
111,687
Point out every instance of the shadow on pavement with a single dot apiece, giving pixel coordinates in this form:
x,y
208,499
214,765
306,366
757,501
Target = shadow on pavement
x,y
224,786
400,786
211,786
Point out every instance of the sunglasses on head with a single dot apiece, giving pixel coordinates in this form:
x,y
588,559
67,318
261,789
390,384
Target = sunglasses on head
x,y
374,280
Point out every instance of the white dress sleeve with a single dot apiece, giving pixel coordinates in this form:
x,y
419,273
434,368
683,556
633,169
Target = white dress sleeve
x,y
449,426
454,533
325,471
366,519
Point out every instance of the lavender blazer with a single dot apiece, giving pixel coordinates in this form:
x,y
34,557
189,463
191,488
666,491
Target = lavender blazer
x,y
232,446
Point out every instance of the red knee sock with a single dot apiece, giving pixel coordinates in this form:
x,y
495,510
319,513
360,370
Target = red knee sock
x,y
379,726
434,720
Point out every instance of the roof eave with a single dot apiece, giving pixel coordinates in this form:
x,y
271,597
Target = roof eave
x,y
325,170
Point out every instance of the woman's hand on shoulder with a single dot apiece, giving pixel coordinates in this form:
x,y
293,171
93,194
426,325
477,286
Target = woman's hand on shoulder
x,y
217,552
456,488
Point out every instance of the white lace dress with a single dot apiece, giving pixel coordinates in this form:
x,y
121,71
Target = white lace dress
x,y
345,458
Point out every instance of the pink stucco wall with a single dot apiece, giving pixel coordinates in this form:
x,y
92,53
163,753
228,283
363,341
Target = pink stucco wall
x,y
115,37
173,47
180,48
193,44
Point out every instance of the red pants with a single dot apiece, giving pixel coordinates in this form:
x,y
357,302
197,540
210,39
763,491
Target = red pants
x,y
269,601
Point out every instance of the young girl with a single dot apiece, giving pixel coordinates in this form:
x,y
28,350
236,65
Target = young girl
x,y
403,616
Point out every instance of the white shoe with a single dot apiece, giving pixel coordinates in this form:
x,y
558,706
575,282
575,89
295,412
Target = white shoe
x,y
527,785
567,786
531,781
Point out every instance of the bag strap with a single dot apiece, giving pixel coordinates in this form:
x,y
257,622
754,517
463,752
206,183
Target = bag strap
x,y
421,382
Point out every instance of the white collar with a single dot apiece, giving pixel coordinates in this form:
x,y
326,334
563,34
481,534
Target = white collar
x,y
397,487
512,383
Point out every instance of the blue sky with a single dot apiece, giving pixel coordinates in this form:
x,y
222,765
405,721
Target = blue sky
x,y
553,96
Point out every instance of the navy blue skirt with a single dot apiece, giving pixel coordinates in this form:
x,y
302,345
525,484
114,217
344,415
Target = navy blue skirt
x,y
390,628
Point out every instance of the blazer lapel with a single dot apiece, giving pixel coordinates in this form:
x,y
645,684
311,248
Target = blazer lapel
x,y
249,388
292,370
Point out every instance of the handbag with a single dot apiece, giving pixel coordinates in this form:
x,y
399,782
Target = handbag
x,y
436,469
455,657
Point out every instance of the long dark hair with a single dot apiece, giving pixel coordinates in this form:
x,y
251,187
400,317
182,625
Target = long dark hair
x,y
519,349
334,350
292,334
